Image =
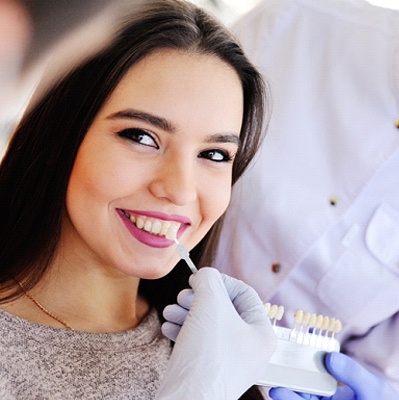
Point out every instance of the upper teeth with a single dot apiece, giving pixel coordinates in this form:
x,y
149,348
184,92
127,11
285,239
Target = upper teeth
x,y
156,226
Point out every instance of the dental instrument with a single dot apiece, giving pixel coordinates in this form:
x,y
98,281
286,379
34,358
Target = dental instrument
x,y
185,256
298,362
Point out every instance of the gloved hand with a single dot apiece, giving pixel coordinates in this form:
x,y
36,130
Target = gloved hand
x,y
224,344
361,384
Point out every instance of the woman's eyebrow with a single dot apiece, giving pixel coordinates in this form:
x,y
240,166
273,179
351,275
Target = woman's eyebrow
x,y
167,126
224,138
130,113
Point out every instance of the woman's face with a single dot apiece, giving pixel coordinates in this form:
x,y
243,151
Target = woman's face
x,y
156,162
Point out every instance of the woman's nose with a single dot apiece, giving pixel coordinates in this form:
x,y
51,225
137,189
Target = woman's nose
x,y
175,180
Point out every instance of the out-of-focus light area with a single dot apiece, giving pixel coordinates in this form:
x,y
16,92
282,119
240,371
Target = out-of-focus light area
x,y
394,4
52,21
230,10
241,6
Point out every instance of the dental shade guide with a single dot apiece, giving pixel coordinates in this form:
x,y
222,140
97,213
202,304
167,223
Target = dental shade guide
x,y
298,362
183,253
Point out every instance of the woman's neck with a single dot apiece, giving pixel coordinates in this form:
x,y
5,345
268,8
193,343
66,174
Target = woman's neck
x,y
86,299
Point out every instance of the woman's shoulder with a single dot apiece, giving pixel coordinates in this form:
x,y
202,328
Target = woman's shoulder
x,y
19,336
56,358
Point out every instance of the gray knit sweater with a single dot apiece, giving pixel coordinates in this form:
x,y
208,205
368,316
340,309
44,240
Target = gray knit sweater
x,y
41,362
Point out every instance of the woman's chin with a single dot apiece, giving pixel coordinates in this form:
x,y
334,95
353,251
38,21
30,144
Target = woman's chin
x,y
156,272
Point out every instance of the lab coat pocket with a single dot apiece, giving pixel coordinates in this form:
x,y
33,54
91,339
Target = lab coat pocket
x,y
382,236
363,283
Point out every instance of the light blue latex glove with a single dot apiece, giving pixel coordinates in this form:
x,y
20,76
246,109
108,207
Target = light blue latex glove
x,y
361,384
225,342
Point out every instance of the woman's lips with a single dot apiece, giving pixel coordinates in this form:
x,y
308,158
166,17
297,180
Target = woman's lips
x,y
152,228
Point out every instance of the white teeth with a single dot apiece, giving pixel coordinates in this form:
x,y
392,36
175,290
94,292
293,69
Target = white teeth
x,y
158,227
148,225
140,222
164,229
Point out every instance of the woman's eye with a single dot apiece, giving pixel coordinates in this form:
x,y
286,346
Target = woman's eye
x,y
216,155
139,136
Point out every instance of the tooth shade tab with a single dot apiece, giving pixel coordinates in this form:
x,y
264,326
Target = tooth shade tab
x,y
326,322
298,316
337,326
298,361
274,312
308,329
306,319
312,321
171,233
319,322
280,313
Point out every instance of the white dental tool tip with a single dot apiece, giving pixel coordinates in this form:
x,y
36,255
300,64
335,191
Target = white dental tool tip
x,y
183,253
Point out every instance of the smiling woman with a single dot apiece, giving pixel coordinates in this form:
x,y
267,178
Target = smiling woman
x,y
136,146
157,166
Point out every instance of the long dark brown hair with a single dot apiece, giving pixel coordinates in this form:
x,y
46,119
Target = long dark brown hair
x,y
36,168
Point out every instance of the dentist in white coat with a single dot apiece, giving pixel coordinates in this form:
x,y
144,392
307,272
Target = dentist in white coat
x,y
314,224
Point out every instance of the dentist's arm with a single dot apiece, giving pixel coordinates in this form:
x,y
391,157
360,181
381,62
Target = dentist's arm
x,y
224,339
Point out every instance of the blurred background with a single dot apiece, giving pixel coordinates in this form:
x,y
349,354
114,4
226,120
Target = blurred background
x,y
32,30
229,10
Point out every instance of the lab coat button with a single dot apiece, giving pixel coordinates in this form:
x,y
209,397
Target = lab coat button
x,y
276,267
334,200
397,123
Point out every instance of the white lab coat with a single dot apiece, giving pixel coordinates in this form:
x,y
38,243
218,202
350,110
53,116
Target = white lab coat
x,y
314,224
